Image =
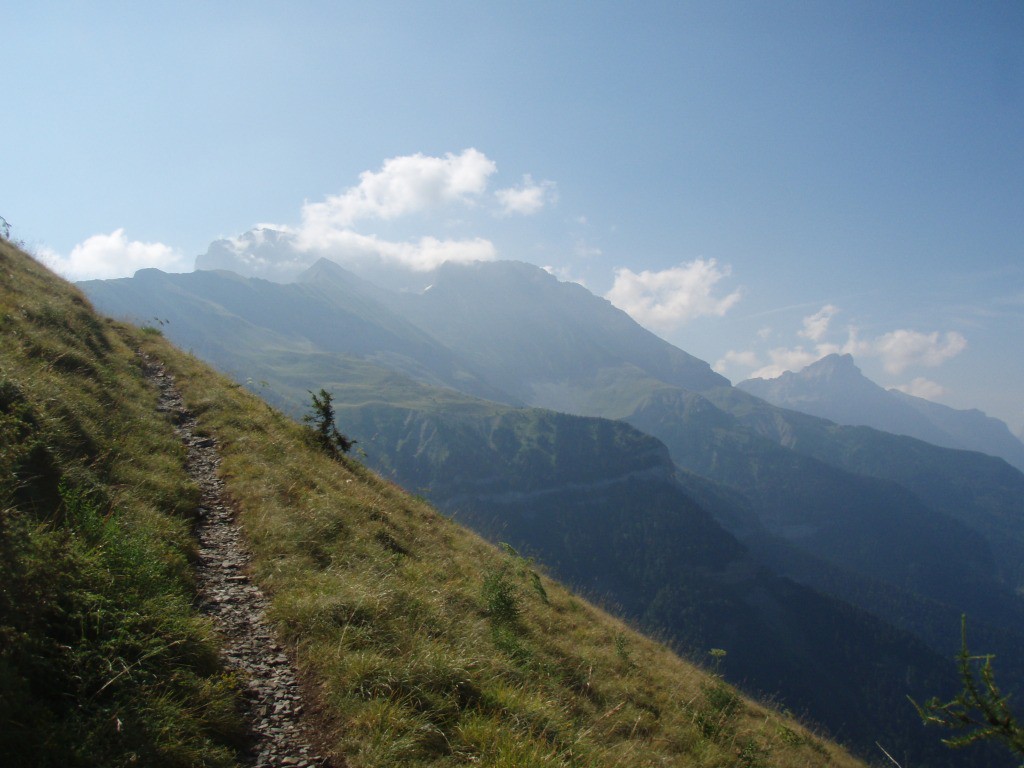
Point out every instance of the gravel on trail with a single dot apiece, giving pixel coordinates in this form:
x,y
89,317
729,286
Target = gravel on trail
x,y
273,696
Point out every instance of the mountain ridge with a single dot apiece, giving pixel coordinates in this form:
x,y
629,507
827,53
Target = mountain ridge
x,y
834,388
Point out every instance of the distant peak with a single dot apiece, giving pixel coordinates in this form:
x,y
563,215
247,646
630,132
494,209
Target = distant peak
x,y
832,365
324,268
835,360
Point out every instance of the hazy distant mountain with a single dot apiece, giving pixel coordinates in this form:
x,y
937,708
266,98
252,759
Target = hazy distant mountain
x,y
972,429
510,332
834,388
220,315
550,343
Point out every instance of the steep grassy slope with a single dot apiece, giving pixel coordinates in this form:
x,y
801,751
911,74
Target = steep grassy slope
x,y
426,645
102,660
598,503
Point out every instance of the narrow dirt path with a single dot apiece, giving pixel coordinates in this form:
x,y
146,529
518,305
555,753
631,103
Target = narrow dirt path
x,y
237,606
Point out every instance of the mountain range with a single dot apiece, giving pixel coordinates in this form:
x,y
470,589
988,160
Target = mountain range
x,y
834,388
542,416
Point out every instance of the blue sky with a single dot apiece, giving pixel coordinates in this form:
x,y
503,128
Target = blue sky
x,y
759,183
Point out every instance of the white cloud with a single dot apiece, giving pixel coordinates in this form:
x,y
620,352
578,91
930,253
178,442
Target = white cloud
x,y
897,350
733,358
403,185
423,255
816,325
114,255
922,387
564,274
667,299
786,359
903,348
526,199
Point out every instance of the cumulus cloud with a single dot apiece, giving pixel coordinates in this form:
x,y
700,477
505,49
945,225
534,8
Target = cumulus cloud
x,y
421,255
114,255
903,348
564,274
403,185
667,299
897,350
816,326
269,251
526,199
788,359
922,387
733,358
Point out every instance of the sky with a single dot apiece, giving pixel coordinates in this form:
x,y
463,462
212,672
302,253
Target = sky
x,y
760,183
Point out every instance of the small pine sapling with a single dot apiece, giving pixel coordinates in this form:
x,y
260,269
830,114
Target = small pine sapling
x,y
322,429
980,711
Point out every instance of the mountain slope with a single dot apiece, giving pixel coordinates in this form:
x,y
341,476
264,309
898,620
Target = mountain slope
x,y
981,492
869,525
215,313
426,646
618,526
834,388
549,343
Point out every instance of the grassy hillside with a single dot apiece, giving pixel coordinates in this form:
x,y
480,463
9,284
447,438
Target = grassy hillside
x,y
102,659
424,644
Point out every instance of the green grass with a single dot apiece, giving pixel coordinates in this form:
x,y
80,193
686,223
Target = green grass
x,y
422,644
102,659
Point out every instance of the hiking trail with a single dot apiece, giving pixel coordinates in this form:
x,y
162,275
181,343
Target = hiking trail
x,y
273,697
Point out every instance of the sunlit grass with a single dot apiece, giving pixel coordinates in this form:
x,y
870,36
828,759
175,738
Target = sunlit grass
x,y
103,660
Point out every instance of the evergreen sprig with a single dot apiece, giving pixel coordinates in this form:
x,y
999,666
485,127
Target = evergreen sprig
x,y
980,710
